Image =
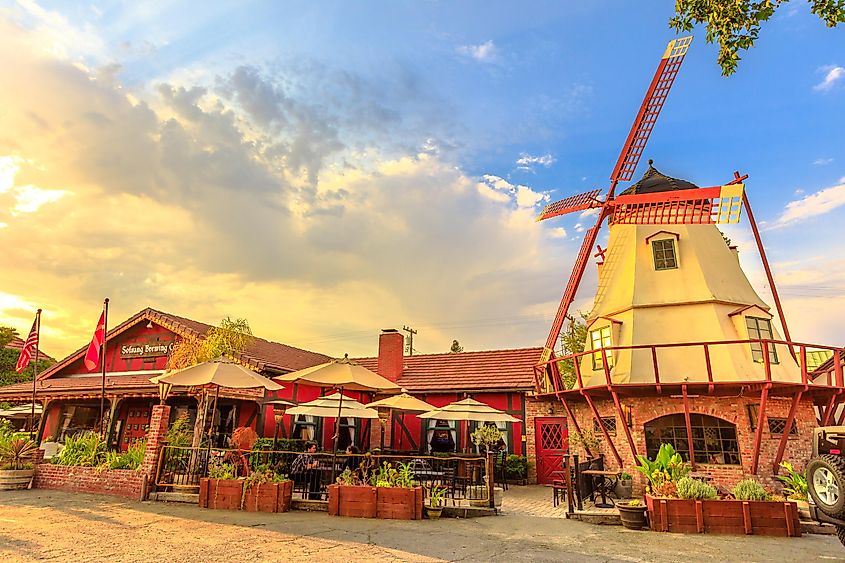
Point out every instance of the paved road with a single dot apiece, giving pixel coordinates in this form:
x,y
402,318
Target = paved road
x,y
52,525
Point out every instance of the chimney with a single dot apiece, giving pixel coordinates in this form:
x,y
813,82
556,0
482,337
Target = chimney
x,y
391,346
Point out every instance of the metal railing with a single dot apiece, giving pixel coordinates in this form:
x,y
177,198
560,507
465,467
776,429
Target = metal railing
x,y
462,477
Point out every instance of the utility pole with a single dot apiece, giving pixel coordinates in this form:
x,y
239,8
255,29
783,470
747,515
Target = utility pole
x,y
411,332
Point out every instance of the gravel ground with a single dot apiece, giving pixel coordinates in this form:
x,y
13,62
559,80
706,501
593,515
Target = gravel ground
x,y
37,525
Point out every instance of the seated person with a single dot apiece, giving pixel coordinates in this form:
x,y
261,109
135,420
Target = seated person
x,y
303,470
353,460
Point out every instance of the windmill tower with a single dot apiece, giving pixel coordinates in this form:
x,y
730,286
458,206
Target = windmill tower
x,y
680,346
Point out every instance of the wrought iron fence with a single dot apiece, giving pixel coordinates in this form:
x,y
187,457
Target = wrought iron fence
x,y
462,478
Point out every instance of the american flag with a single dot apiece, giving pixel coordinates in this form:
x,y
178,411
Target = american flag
x,y
29,348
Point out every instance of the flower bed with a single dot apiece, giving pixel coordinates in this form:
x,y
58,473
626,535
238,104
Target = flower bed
x,y
767,518
362,501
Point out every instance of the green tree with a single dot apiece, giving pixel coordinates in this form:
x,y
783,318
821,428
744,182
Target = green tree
x,y
9,358
735,24
456,347
229,339
573,341
7,334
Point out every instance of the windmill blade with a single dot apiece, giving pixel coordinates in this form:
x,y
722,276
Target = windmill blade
x,y
580,202
571,288
655,97
702,206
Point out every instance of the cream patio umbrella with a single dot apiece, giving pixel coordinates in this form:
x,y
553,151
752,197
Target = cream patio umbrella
x,y
332,406
469,410
342,375
403,403
220,372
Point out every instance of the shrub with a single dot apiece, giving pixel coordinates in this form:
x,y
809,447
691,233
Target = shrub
x,y
180,433
749,489
665,471
130,459
516,466
243,438
282,445
388,476
83,450
218,469
16,453
794,483
486,436
689,488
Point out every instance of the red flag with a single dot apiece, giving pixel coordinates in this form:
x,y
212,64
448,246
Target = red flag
x,y
28,348
92,357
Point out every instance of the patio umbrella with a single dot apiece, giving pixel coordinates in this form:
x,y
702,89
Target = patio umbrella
x,y
403,403
220,372
333,406
469,409
343,375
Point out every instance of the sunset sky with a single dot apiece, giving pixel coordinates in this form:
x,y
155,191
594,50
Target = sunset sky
x,y
328,169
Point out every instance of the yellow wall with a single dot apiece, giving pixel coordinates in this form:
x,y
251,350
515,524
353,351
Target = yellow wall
x,y
691,303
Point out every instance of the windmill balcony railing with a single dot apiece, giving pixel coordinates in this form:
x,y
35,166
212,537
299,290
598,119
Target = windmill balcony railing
x,y
567,374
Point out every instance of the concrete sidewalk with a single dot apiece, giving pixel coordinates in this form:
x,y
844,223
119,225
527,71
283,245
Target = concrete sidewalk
x,y
41,524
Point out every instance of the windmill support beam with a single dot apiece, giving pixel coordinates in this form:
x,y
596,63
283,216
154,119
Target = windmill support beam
x,y
604,431
828,411
790,420
768,270
758,435
623,419
689,426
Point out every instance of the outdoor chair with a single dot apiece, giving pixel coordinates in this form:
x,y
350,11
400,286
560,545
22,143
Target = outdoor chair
x,y
500,469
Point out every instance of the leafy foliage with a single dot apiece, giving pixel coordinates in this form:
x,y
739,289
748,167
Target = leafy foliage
x,y
516,466
84,450
16,453
436,495
243,438
282,445
665,471
389,476
218,469
229,339
735,25
180,433
586,440
573,341
487,436
689,488
130,459
749,489
794,483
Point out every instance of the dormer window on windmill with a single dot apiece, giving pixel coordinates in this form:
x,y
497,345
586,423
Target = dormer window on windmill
x,y
664,250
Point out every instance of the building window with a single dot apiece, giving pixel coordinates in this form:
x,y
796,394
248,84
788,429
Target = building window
x,y
777,426
441,436
304,427
713,439
600,339
664,254
609,425
761,329
76,419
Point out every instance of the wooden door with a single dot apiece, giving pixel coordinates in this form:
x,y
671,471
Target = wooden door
x,y
552,439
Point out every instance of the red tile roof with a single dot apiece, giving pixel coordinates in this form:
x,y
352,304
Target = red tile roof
x,y
506,370
260,354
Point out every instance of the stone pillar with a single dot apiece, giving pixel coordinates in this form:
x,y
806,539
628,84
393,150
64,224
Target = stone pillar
x,y
159,422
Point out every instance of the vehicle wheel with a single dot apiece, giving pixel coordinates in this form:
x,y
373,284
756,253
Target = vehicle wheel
x,y
826,484
840,533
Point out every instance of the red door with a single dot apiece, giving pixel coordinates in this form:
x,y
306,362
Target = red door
x,y
552,440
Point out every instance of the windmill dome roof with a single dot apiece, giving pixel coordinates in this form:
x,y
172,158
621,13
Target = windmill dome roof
x,y
654,181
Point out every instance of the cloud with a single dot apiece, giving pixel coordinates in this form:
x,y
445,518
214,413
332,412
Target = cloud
x,y
812,205
832,75
484,52
528,162
253,196
557,232
823,161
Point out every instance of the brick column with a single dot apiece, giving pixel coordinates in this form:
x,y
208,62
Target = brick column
x,y
159,421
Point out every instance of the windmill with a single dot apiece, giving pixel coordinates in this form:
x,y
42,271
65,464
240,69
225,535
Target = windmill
x,y
711,205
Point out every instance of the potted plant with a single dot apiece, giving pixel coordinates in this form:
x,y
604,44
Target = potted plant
x,y
436,496
388,493
633,514
16,469
625,486
222,489
795,487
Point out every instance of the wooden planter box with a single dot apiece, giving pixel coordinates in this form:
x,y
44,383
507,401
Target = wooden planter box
x,y
269,497
766,518
222,494
14,479
375,502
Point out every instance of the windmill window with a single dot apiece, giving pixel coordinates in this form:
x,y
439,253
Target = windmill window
x,y
600,339
713,439
665,257
778,425
609,425
761,329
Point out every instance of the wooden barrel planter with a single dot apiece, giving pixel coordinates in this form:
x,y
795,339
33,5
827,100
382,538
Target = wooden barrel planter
x,y
15,479
376,502
268,497
766,518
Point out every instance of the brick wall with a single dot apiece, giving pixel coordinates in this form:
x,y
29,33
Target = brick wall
x,y
159,421
644,409
116,482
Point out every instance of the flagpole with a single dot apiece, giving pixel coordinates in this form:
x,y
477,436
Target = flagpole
x,y
103,361
35,373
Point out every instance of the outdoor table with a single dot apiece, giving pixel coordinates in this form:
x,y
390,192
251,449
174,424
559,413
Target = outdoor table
x,y
604,481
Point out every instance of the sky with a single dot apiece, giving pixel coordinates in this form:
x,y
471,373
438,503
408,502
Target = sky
x,y
329,169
